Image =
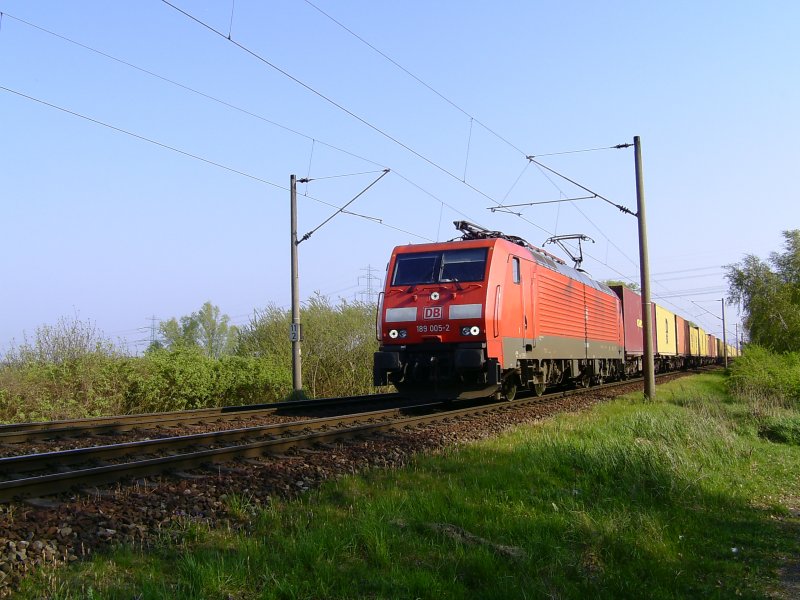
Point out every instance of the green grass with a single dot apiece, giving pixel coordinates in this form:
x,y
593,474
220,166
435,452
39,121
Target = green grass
x,y
670,499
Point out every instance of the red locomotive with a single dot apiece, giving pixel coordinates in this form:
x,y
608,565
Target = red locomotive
x,y
490,313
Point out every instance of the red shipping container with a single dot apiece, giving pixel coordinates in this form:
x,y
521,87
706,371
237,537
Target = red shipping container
x,y
682,335
631,318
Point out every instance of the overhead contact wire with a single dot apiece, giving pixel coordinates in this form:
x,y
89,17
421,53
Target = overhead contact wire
x,y
193,90
142,138
248,113
329,100
194,156
414,77
531,158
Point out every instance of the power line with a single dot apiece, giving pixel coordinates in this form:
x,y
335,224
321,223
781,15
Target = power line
x,y
191,90
507,206
585,216
531,158
706,310
311,89
452,103
689,270
594,194
692,292
698,276
417,79
250,114
332,102
143,138
274,123
471,117
196,157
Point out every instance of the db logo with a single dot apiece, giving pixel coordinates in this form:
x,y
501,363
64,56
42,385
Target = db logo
x,y
433,312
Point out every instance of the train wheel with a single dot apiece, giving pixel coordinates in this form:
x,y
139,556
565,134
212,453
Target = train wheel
x,y
538,388
584,381
509,389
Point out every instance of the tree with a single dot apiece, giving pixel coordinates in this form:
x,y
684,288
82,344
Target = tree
x,y
216,336
180,334
769,293
206,328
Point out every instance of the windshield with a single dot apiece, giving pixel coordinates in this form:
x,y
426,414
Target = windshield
x,y
440,267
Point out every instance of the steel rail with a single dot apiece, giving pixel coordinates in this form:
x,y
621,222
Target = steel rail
x,y
21,432
51,484
27,463
61,482
92,476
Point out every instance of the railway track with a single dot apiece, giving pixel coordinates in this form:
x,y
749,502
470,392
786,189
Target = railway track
x,y
80,428
50,473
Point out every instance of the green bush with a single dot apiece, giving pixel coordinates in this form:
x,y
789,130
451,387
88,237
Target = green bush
x,y
80,387
767,376
187,378
781,428
170,380
71,371
249,380
338,344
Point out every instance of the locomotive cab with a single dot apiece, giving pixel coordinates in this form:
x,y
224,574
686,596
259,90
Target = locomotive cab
x,y
431,320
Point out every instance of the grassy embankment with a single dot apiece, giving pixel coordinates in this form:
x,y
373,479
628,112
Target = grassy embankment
x,y
686,497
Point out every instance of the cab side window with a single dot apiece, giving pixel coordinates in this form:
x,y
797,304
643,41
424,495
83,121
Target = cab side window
x,y
515,271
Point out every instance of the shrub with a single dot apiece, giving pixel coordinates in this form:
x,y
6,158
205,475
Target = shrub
x,y
781,428
187,378
67,370
70,370
767,377
97,384
338,344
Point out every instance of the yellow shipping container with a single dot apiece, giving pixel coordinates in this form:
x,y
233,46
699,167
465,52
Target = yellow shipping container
x,y
702,342
694,341
666,339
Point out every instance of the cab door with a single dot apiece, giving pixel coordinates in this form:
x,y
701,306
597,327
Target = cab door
x,y
521,327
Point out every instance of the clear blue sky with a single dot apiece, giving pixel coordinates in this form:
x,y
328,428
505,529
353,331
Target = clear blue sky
x,y
115,229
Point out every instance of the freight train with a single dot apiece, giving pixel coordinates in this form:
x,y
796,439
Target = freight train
x,y
490,313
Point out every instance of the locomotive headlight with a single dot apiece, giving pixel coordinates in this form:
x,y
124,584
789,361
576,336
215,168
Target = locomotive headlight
x,y
403,333
393,333
475,330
